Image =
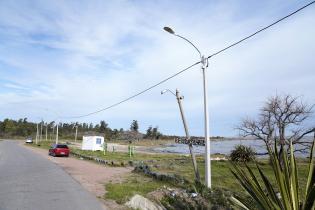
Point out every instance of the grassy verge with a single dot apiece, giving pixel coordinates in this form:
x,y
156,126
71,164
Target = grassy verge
x,y
42,144
175,164
133,184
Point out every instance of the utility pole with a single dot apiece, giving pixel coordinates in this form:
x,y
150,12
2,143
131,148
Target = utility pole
x,y
179,100
46,130
57,134
36,139
76,133
204,65
41,131
53,132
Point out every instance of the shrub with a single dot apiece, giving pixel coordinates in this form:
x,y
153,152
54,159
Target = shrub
x,y
286,194
206,199
242,153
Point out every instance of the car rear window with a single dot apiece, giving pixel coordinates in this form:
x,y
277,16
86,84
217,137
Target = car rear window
x,y
62,146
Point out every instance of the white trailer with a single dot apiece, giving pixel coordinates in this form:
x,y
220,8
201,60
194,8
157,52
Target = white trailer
x,y
94,143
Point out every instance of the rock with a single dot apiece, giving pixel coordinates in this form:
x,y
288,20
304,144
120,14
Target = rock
x,y
142,203
193,195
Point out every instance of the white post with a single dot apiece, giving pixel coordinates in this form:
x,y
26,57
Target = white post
x,y
46,131
179,98
57,134
206,123
36,139
204,62
53,132
41,131
76,133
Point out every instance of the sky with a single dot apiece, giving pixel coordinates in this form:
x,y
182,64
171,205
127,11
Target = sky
x,y
60,59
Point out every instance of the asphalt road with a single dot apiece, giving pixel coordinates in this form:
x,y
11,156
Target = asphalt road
x,y
28,181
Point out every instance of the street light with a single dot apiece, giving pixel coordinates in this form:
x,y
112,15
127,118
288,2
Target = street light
x,y
191,150
38,131
76,131
204,65
36,139
57,124
167,90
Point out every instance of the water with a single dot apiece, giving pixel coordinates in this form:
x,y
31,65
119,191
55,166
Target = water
x,y
221,147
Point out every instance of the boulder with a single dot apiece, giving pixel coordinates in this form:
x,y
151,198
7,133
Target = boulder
x,y
142,203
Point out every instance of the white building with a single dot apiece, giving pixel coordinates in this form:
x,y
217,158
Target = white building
x,y
94,143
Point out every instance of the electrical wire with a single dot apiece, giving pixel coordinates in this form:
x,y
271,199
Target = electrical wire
x,y
262,29
182,71
135,95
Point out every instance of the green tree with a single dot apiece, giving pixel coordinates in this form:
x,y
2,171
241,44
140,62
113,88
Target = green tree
x,y
91,126
155,133
134,126
103,126
149,132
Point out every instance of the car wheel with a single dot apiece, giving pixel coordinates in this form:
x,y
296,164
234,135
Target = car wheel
x,y
54,154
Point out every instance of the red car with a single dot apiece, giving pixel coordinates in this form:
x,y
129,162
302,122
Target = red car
x,y
59,150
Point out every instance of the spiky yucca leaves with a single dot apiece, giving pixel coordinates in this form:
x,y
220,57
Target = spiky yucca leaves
x,y
286,176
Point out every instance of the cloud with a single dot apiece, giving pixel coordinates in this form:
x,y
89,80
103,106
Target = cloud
x,y
75,58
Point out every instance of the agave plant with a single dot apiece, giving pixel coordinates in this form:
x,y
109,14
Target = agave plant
x,y
285,171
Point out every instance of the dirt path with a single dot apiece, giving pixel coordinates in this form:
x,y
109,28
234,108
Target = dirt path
x,y
91,176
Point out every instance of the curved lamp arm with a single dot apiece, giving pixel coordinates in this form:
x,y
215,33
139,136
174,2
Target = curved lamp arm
x,y
169,30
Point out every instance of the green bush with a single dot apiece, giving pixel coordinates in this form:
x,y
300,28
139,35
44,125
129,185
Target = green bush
x,y
206,199
242,153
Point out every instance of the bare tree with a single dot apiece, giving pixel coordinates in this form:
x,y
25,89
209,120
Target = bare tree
x,y
281,119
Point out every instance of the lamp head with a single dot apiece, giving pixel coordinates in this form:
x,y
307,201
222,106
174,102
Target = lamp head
x,y
169,30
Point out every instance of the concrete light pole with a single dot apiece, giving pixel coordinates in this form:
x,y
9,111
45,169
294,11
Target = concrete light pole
x,y
57,134
179,100
46,130
204,65
53,132
41,131
76,132
36,139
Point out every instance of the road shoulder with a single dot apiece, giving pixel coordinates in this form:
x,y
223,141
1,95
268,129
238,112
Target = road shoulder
x,y
91,176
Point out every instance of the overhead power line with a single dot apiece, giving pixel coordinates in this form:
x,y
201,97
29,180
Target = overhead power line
x,y
182,71
137,94
261,30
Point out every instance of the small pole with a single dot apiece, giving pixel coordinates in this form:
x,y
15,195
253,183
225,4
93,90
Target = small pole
x,y
133,150
105,147
129,150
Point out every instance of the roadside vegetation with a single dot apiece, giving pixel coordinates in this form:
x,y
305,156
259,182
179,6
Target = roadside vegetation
x,y
242,153
179,165
133,184
248,179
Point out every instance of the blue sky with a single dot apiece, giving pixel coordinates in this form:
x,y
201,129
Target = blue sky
x,y
66,58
